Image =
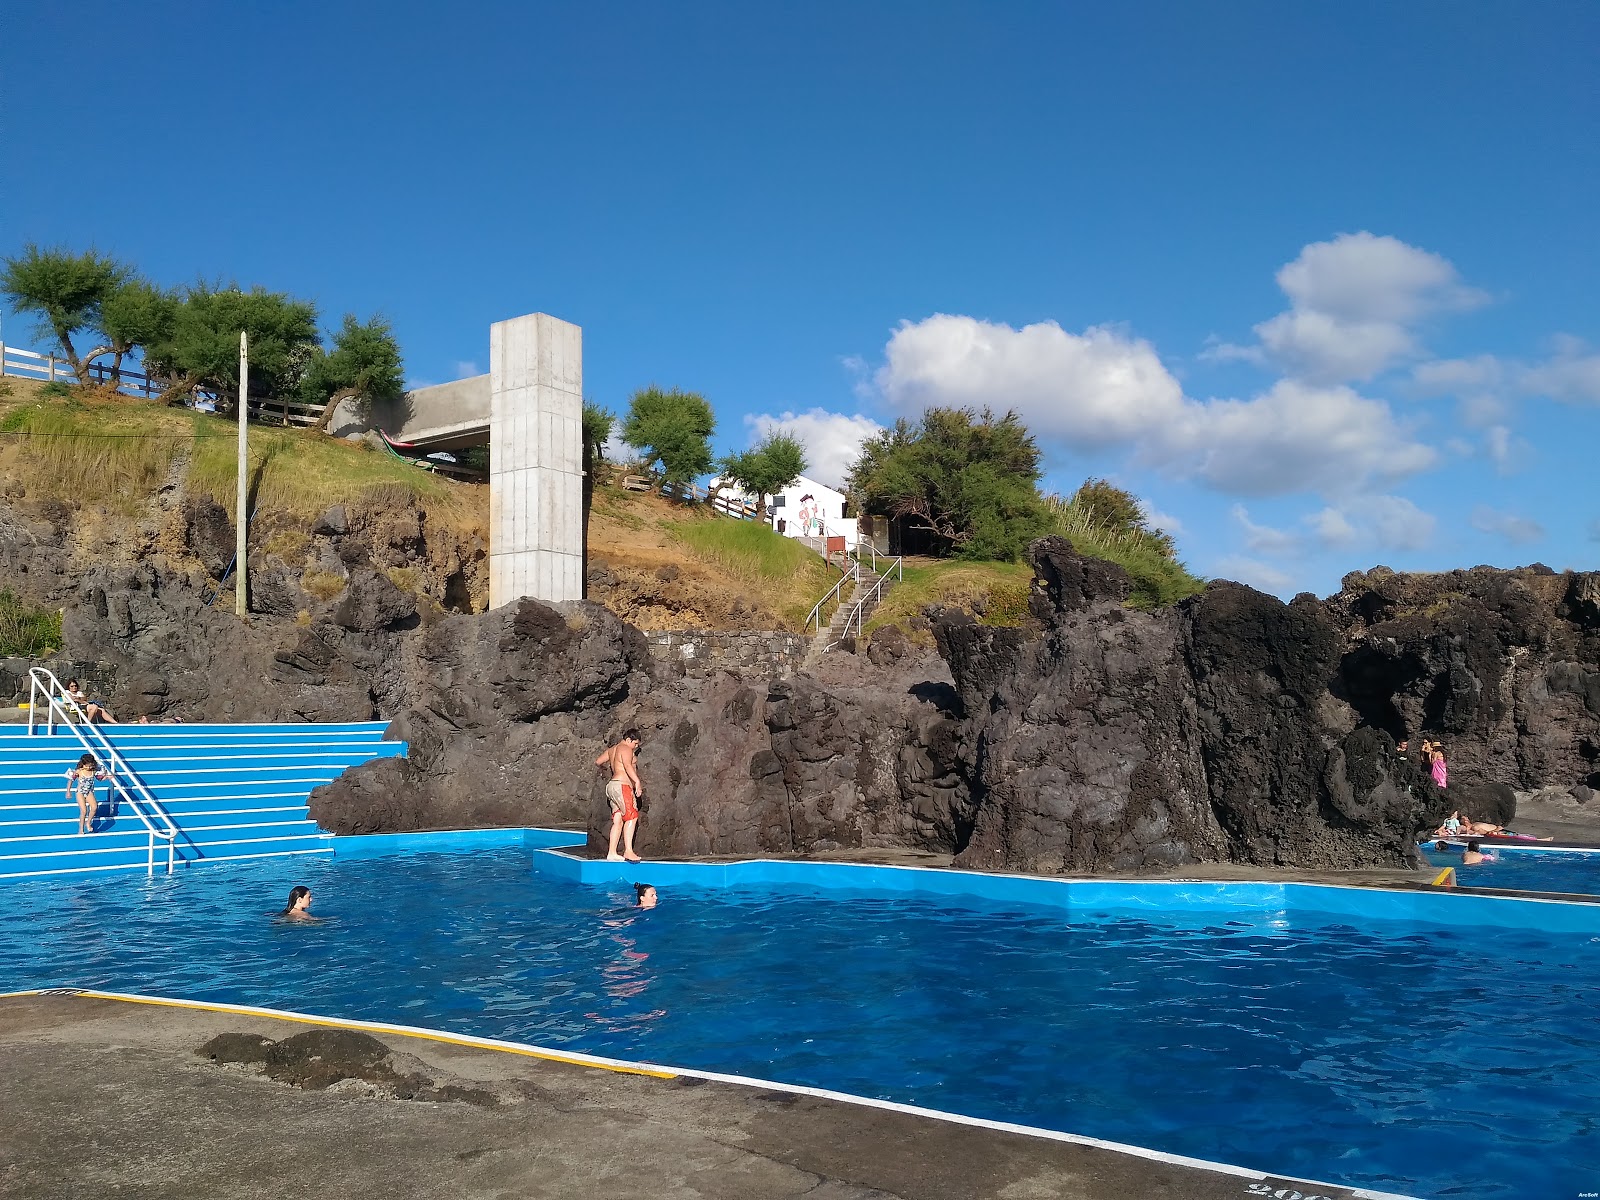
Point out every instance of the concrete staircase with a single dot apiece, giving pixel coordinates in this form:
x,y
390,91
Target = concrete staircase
x,y
852,614
232,791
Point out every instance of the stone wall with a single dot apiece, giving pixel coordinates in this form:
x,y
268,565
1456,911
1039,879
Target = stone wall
x,y
97,679
759,655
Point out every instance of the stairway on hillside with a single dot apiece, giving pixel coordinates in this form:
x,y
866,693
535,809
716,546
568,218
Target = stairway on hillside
x,y
234,792
852,614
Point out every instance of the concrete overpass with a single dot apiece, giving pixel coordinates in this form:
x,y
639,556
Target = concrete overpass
x,y
529,410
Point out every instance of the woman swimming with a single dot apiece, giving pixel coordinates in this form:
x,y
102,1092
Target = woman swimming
x,y
299,906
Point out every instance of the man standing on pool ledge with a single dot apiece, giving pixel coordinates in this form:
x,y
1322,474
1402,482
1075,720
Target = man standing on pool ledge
x,y
622,794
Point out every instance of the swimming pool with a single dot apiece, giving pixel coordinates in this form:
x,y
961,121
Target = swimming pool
x,y
1525,868
1431,1062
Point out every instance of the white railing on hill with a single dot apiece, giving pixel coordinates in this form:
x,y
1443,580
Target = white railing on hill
x,y
52,368
43,685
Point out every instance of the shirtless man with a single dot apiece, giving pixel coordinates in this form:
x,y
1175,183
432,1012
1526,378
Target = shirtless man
x,y
622,794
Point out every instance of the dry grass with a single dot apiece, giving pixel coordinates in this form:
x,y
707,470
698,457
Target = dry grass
x,y
324,585
997,592
93,447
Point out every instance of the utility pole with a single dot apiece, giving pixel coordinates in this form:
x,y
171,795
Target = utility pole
x,y
241,603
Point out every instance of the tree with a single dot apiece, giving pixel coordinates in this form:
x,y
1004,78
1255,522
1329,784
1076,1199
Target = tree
x,y
134,316
202,347
597,425
968,477
769,467
671,430
1119,512
364,365
65,291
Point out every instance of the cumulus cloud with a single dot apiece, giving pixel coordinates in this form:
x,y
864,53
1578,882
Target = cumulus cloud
x,y
1354,304
1264,539
1518,531
1095,389
1389,522
831,440
1165,522
1103,389
1259,575
1571,374
1292,438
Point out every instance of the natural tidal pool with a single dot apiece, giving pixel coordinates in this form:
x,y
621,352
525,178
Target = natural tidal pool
x,y
1525,868
1434,1062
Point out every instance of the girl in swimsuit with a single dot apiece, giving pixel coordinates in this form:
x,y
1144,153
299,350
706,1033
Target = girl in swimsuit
x,y
80,782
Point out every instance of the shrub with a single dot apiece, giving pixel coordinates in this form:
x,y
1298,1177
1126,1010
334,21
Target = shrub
x,y
27,631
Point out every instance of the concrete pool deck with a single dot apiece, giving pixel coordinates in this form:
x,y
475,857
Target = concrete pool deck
x,y
110,1097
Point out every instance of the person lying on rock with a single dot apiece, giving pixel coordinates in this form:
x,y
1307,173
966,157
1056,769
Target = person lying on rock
x,y
80,782
623,793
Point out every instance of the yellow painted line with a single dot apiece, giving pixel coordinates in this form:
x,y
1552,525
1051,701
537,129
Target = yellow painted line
x,y
429,1035
1445,878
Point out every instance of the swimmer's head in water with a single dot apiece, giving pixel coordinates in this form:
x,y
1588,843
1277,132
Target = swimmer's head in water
x,y
1474,846
646,895
299,899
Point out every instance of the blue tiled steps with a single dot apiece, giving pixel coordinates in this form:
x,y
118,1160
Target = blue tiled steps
x,y
234,792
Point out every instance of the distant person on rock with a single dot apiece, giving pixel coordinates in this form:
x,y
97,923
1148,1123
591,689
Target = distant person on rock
x,y
1436,764
80,783
95,710
623,793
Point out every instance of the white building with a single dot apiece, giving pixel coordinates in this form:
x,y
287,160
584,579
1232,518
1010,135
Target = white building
x,y
807,509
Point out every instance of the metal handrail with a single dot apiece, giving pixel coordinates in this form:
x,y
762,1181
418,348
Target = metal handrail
x,y
852,574
43,681
858,609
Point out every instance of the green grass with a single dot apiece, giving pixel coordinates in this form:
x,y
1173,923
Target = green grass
x,y
999,589
790,577
27,631
1159,578
118,452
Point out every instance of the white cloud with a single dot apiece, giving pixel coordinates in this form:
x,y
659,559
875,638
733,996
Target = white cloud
x,y
1292,438
1354,304
1262,576
1389,522
1104,389
1508,452
1518,531
1571,374
465,369
1165,522
831,440
1095,389
1264,539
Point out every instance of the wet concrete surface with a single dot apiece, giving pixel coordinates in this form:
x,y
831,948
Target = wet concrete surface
x,y
110,1098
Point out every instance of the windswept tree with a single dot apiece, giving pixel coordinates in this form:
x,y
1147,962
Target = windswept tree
x,y
202,348
772,465
672,432
364,366
135,316
65,293
967,477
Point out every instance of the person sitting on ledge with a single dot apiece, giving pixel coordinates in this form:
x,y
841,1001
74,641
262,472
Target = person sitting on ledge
x,y
95,710
646,895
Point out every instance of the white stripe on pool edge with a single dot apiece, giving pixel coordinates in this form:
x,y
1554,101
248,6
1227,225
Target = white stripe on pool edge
x,y
596,1060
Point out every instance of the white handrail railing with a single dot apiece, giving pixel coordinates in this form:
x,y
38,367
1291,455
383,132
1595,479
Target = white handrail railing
x,y
57,699
851,574
858,609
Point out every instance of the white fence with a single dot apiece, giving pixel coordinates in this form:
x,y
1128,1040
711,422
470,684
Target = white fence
x,y
52,368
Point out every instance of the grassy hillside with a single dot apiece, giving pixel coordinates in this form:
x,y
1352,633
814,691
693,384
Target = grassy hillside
x,y
78,444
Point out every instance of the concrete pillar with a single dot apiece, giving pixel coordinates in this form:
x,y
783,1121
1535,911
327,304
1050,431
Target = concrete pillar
x,y
536,460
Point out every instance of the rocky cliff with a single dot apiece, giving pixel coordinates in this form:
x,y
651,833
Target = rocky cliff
x,y
1233,727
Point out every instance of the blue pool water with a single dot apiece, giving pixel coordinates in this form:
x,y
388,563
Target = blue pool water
x,y
1573,872
1440,1063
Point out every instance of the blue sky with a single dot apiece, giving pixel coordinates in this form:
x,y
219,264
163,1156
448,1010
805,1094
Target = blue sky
x,y
1316,280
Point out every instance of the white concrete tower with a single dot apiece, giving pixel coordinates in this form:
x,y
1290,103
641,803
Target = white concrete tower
x,y
536,460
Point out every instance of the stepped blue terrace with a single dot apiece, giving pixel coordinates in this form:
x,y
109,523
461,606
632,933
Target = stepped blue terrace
x,y
1225,1022
232,791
